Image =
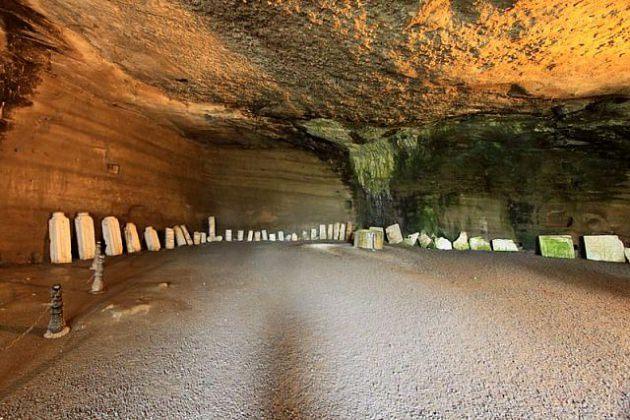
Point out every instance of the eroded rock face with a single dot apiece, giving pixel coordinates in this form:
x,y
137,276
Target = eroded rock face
x,y
501,118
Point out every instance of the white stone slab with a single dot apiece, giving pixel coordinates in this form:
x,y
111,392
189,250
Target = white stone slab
x,y
112,236
197,238
322,232
504,245
132,240
304,235
272,237
394,235
425,240
329,232
250,235
228,235
240,235
60,239
342,232
336,230
169,238
313,236
189,240
411,240
212,227
152,239
280,235
180,239
461,243
257,236
479,243
265,236
294,237
86,238
443,244
204,237
604,248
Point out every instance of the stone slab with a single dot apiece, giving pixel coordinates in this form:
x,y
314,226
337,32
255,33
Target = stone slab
x,y
443,244
60,239
394,235
412,239
504,245
461,243
322,232
479,243
556,246
425,240
379,239
607,248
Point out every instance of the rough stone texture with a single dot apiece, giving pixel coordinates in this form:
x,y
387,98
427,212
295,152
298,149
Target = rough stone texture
x,y
132,239
461,243
443,244
478,243
86,237
394,235
112,236
504,245
60,239
339,333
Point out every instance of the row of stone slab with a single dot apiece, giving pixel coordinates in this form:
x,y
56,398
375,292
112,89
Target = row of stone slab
x,y
597,247
323,232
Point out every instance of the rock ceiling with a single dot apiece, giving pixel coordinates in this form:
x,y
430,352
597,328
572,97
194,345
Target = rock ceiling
x,y
263,65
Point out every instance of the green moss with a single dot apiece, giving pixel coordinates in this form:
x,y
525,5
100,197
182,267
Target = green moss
x,y
556,246
328,130
373,165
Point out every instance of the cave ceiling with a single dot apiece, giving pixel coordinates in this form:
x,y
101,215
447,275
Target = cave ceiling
x,y
242,71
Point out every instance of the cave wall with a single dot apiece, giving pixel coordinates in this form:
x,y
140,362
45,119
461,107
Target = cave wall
x,y
76,147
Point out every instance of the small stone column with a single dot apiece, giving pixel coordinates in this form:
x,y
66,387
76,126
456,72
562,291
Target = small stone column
x,y
57,326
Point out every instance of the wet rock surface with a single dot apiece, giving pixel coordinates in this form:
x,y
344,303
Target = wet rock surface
x,y
338,332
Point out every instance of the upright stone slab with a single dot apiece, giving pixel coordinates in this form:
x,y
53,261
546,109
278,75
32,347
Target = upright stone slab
x,y
556,246
204,237
304,235
187,236
313,236
443,244
280,235
240,235
379,237
257,236
212,227
272,237
504,245
132,240
604,248
151,239
228,235
349,231
425,240
479,243
322,232
461,243
265,236
365,239
180,239
329,232
294,237
112,236
250,235
60,239
336,229
197,238
342,232
411,240
394,235
86,239
169,238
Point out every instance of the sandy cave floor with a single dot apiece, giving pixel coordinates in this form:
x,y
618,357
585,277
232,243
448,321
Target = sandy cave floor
x,y
304,331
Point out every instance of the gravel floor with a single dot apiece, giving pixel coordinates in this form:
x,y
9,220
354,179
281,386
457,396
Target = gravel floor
x,y
304,331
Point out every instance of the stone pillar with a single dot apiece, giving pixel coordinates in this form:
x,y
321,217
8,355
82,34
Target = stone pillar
x,y
212,228
265,237
197,238
250,236
342,232
169,238
132,239
187,236
60,239
228,235
151,239
336,230
257,236
322,232
86,239
280,235
179,236
112,236
313,234
329,232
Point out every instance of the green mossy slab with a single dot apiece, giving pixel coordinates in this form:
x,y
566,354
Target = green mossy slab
x,y
556,246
